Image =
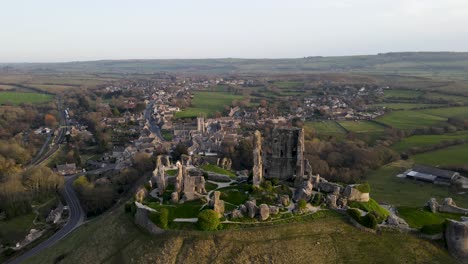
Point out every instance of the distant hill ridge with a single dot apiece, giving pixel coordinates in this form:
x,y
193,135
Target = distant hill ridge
x,y
447,64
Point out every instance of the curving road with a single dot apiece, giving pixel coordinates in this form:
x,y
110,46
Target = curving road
x,y
75,219
76,213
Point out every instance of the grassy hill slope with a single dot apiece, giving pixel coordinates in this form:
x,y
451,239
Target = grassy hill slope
x,y
114,238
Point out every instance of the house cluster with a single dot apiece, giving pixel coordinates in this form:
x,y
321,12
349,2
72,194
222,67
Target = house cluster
x,y
346,103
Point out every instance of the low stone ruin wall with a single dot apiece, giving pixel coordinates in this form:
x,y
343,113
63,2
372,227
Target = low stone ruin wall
x,y
142,219
456,236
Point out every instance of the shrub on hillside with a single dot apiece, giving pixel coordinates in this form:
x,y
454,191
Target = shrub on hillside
x,y
354,213
160,218
433,229
317,200
163,218
302,205
369,220
208,220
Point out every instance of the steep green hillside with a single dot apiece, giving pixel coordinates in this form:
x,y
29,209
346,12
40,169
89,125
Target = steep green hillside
x,y
113,238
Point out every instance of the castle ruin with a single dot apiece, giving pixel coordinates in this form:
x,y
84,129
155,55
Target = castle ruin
x,y
283,154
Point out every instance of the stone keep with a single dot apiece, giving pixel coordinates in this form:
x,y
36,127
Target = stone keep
x,y
257,159
159,175
284,154
201,124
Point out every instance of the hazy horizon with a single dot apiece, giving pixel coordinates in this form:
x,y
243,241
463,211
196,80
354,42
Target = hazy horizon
x,y
58,31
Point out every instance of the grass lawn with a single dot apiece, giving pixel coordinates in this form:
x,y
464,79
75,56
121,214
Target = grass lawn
x,y
20,97
171,172
167,135
418,217
455,155
362,126
185,210
407,120
210,186
370,206
327,127
387,188
207,103
219,170
114,238
14,230
427,140
234,195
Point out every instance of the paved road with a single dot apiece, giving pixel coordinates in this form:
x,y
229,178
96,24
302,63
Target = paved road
x,y
76,213
149,118
76,218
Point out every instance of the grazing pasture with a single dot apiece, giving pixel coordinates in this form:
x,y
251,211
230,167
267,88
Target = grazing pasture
x,y
208,103
427,140
451,156
402,94
326,127
362,126
20,97
407,120
461,112
387,188
404,106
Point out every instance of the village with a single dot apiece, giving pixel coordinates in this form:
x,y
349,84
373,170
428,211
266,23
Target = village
x,y
244,163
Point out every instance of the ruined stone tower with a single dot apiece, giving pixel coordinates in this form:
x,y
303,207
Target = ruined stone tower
x,y
201,124
257,159
283,156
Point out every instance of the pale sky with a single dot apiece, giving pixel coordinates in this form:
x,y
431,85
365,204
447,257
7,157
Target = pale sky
x,y
71,30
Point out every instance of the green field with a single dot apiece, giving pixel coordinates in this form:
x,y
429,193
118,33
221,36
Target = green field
x,y
289,84
403,106
451,156
186,210
400,93
446,97
387,188
20,97
207,103
427,140
114,238
418,217
327,127
362,126
219,170
407,120
461,112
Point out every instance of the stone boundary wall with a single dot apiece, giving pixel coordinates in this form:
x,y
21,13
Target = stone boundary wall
x,y
142,219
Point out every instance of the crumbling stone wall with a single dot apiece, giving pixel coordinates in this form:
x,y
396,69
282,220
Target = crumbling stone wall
x,y
257,159
141,218
456,236
283,154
